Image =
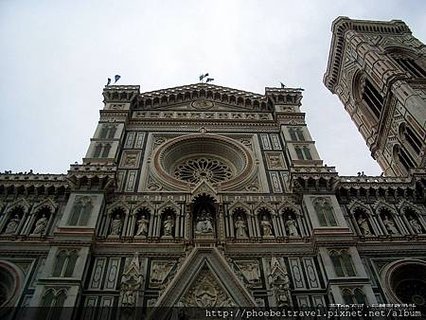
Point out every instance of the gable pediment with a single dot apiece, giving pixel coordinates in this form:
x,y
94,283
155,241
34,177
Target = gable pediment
x,y
205,280
202,97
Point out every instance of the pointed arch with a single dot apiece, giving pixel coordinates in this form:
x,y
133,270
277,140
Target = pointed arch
x,y
118,205
381,205
142,205
169,204
291,207
264,205
356,204
404,204
21,203
239,204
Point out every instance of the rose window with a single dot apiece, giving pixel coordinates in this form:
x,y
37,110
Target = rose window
x,y
184,161
208,169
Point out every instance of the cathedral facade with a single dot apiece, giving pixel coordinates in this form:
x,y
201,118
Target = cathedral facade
x,y
207,196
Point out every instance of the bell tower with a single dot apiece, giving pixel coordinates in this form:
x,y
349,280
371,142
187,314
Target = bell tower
x,y
378,71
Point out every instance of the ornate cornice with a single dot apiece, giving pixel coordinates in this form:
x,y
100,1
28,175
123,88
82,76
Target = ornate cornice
x,y
205,91
30,183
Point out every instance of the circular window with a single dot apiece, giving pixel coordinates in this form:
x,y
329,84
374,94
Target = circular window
x,y
407,282
204,168
195,158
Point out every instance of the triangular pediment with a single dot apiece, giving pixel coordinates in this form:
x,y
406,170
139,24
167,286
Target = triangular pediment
x,y
202,97
204,187
205,280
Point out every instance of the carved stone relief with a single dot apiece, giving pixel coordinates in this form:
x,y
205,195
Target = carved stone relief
x,y
250,270
159,272
275,161
131,282
205,291
279,282
130,159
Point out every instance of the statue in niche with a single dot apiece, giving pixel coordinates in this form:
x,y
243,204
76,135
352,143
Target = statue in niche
x,y
266,227
325,212
363,225
168,226
13,224
116,225
415,225
142,224
40,225
390,225
291,226
240,228
204,223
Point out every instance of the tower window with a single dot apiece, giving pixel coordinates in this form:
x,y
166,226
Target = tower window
x,y
296,134
105,151
108,131
303,153
98,150
102,150
372,98
299,153
413,140
409,65
403,157
307,153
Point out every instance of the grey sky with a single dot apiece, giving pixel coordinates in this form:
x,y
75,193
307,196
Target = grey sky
x,y
57,55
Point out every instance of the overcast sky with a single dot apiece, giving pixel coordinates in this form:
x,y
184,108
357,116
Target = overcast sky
x,y
57,55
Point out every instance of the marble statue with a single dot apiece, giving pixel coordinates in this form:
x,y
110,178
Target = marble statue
x,y
266,227
168,226
291,226
13,224
116,225
390,225
363,225
415,225
40,225
240,228
204,223
142,224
